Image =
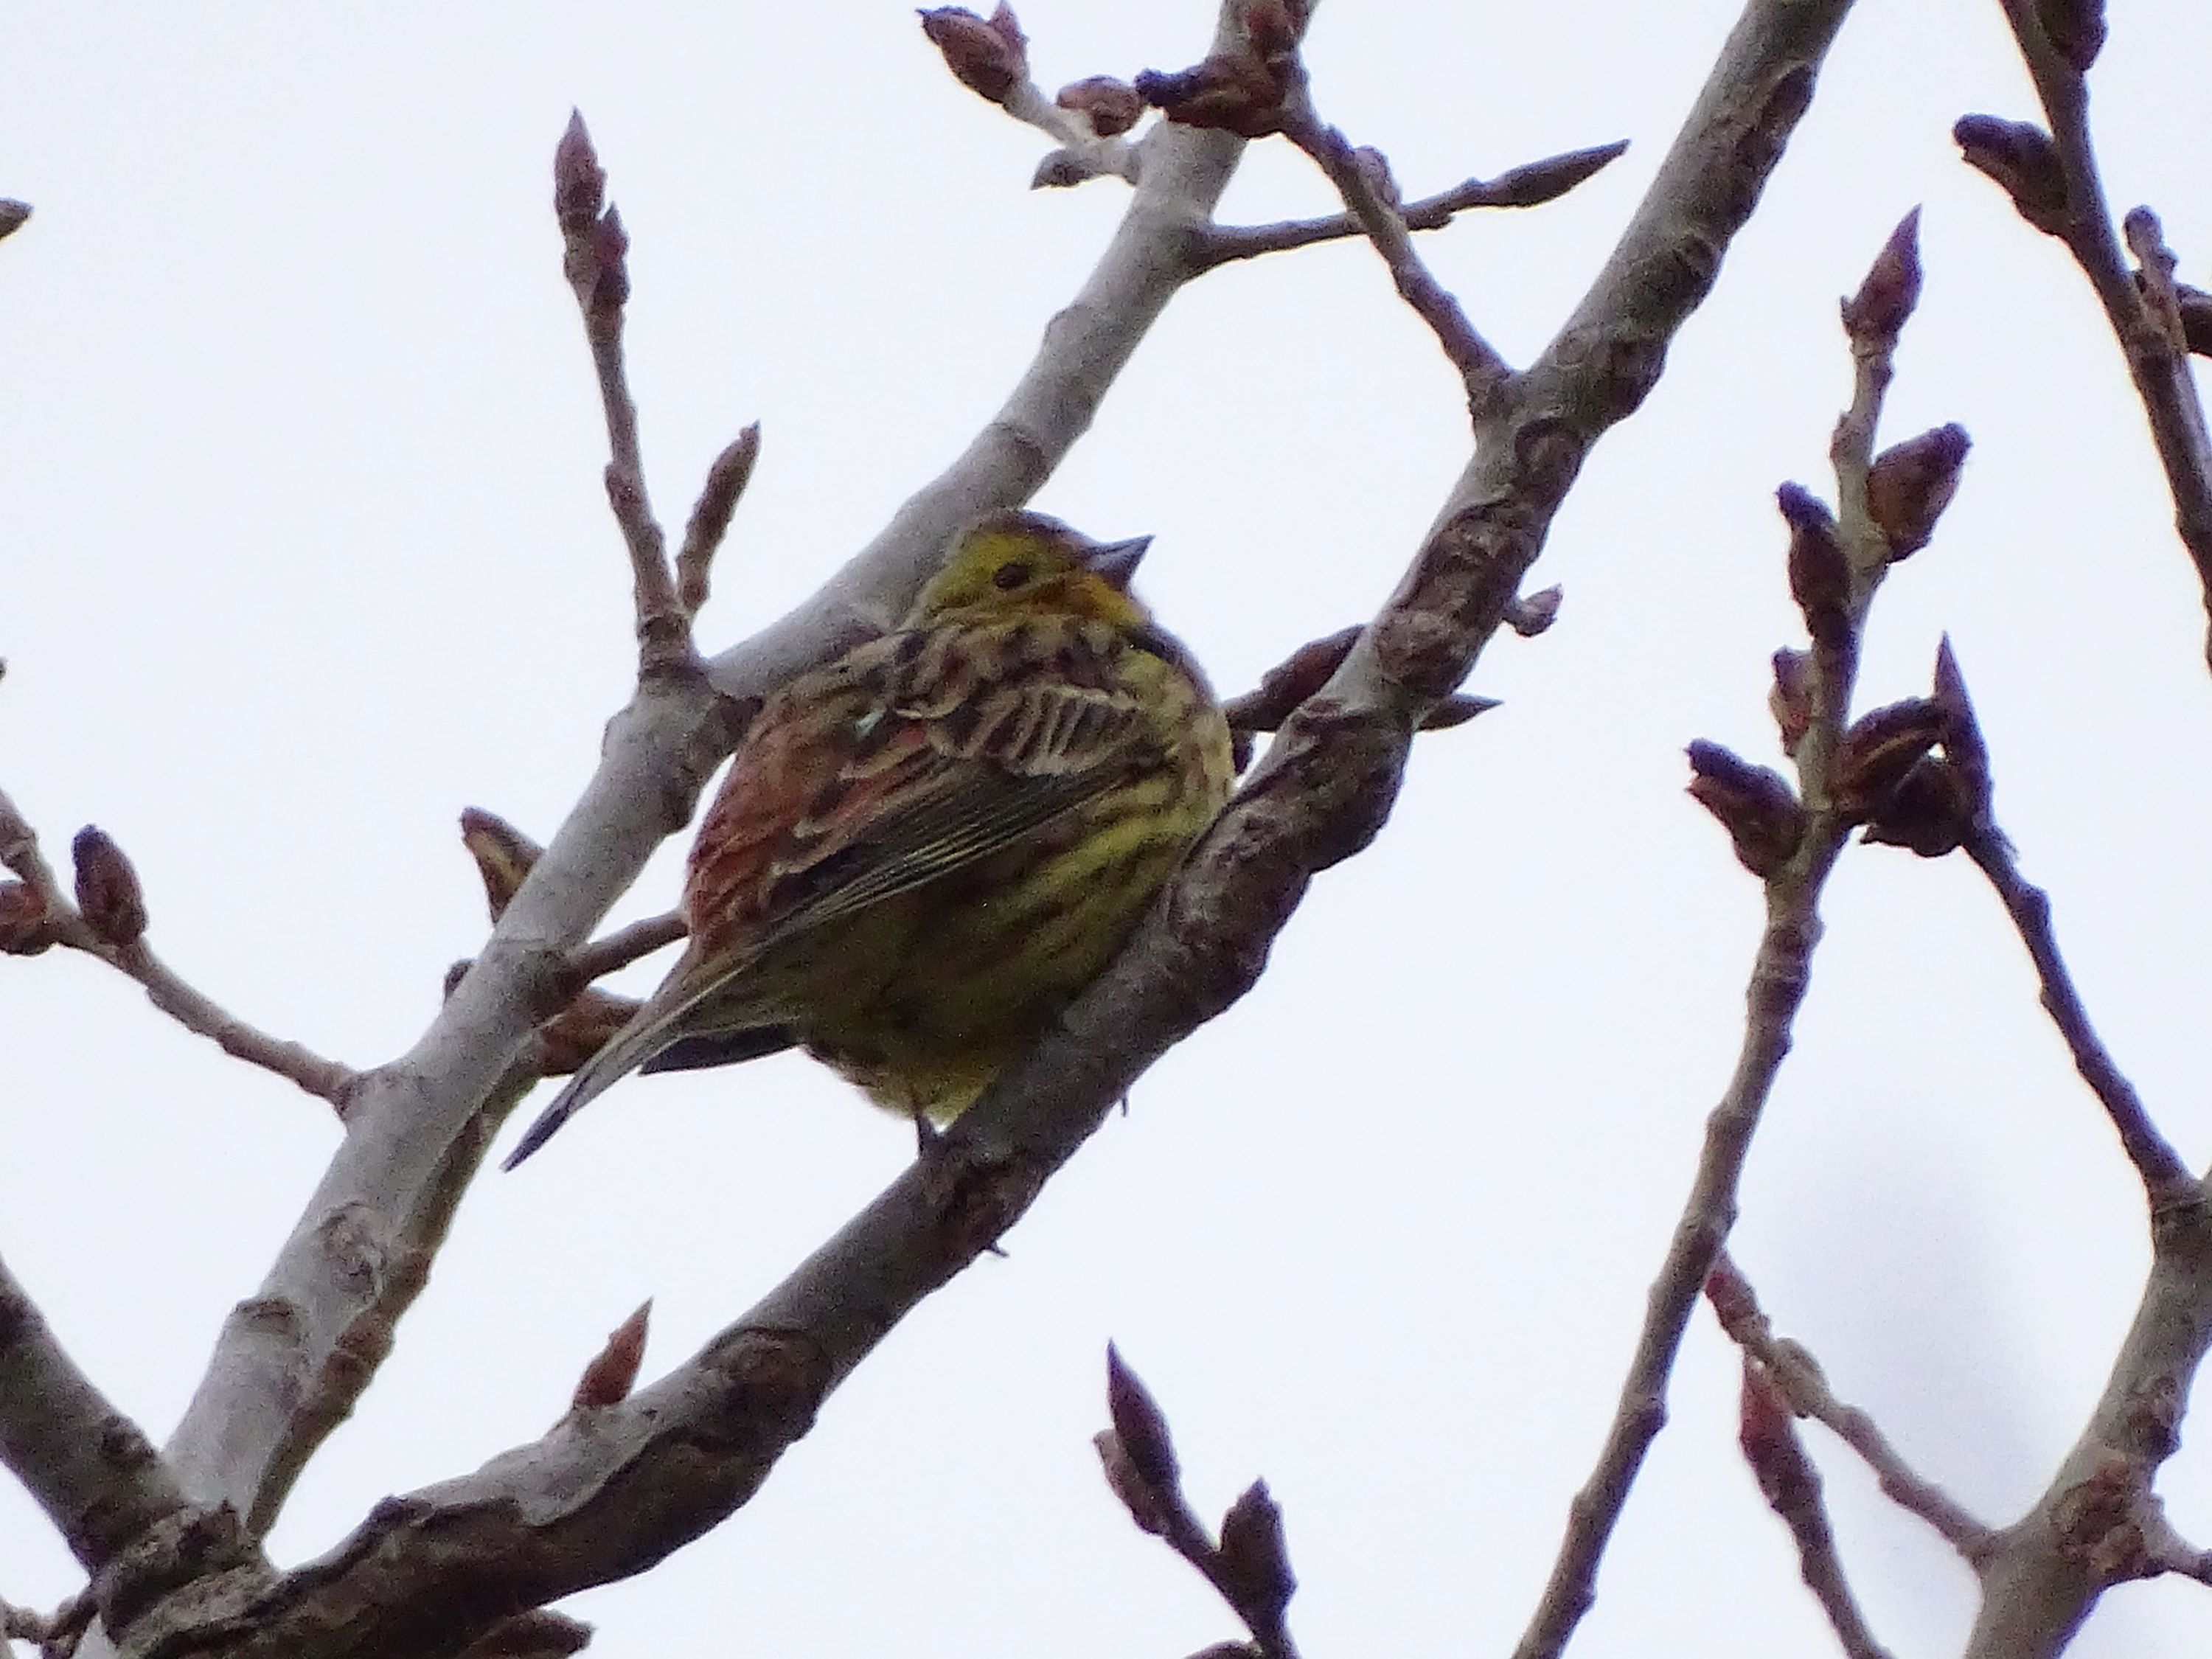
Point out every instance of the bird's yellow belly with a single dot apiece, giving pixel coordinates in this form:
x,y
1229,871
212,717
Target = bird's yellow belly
x,y
941,987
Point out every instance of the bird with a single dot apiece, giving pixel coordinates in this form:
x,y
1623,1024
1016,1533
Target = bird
x,y
924,847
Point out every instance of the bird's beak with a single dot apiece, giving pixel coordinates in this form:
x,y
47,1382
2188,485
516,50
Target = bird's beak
x,y
1116,560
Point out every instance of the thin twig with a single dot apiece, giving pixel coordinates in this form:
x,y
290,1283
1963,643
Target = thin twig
x,y
633,943
1250,1568
2166,1180
1798,1376
1304,671
595,258
2157,361
2171,1552
1530,186
725,482
1791,1482
1481,369
1834,572
64,924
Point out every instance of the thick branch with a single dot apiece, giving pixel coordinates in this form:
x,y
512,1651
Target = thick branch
x,y
85,1464
2098,1523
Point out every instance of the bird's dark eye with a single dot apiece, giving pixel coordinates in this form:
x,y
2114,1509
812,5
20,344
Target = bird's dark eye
x,y
1010,574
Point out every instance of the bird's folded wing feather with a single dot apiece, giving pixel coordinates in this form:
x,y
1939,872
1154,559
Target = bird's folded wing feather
x,y
950,762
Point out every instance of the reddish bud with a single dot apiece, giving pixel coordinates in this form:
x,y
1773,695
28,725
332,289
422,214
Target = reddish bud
x,y
1236,90
612,1373
1289,684
580,184
2076,29
1790,700
1729,1292
1754,804
1530,614
587,1025
1911,483
1111,107
1880,749
1272,26
1146,1507
1963,745
1141,1427
26,927
988,59
1930,813
1769,1439
610,245
2021,158
1819,576
726,479
1535,183
1254,1561
1875,315
107,889
1457,709
502,853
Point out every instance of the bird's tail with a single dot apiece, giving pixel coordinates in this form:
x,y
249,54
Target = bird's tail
x,y
650,1029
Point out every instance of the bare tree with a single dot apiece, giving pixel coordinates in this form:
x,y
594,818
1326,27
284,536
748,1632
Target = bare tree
x,y
171,1540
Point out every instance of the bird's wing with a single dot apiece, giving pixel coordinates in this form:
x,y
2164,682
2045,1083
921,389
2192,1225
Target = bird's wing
x,y
971,739
910,759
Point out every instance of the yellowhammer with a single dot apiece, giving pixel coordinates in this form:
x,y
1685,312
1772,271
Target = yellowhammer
x,y
923,849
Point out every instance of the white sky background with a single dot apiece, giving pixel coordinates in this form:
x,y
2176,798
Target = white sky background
x,y
304,549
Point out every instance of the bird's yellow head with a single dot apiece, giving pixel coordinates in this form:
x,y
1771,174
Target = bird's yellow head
x,y
1016,563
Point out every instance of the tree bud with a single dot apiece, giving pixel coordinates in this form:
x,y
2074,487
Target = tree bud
x,y
1754,804
2021,157
2076,29
1911,483
107,889
1880,749
988,59
1819,576
1111,107
1790,700
26,927
1876,313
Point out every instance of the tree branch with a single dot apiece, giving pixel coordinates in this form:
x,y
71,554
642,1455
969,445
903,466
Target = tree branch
x,y
1799,1377
1529,185
1249,1567
1481,370
85,1463
2098,1523
2166,1180
2157,356
47,916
